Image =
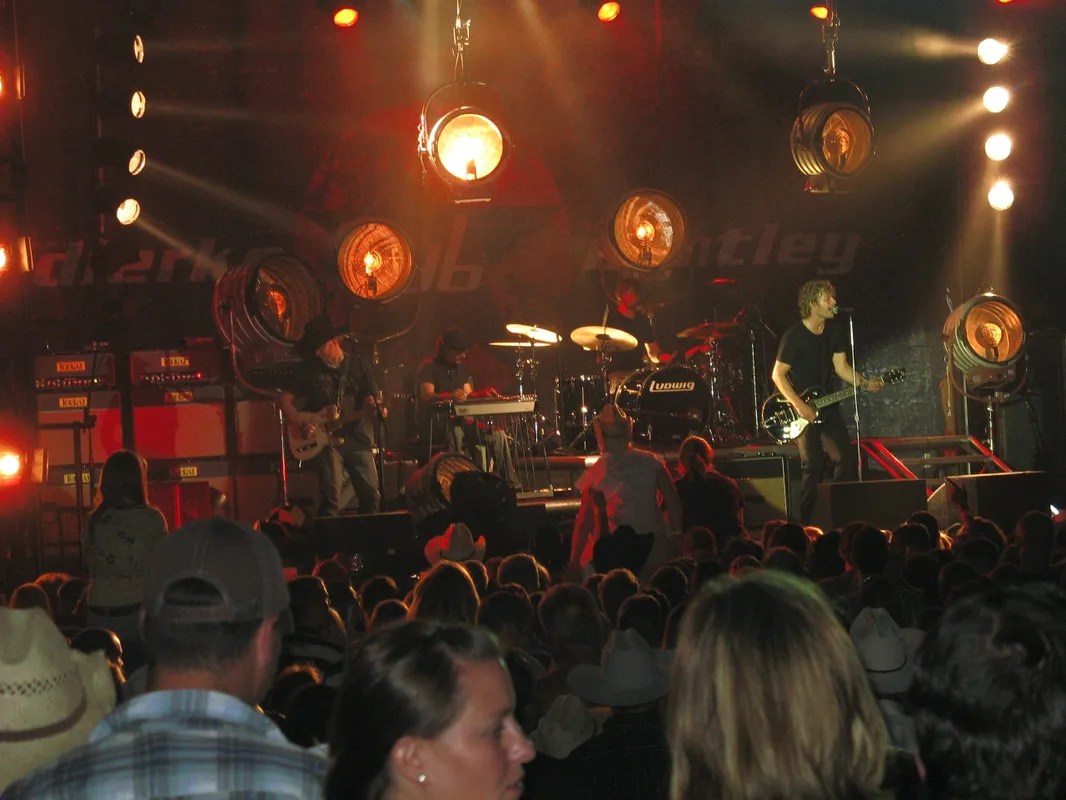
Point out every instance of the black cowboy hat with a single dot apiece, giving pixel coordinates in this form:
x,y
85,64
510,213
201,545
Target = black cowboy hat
x,y
316,333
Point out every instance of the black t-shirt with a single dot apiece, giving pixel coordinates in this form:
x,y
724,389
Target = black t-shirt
x,y
811,355
445,377
713,501
316,386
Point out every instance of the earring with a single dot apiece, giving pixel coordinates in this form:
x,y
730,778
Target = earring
x,y
422,778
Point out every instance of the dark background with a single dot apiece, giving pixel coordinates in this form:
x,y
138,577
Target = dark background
x,y
268,127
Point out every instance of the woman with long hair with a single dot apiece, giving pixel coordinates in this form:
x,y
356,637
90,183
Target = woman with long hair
x,y
427,711
769,700
709,499
117,540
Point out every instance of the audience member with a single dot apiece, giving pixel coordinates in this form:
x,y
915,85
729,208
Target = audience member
x,y
825,560
290,680
672,581
308,713
793,537
931,525
508,614
784,559
953,575
642,613
699,544
737,548
445,594
574,632
51,696
318,635
808,727
1034,535
92,640
479,574
709,498
520,568
978,552
427,711
990,690
117,542
742,564
616,586
215,607
50,582
30,595
457,543
376,589
387,611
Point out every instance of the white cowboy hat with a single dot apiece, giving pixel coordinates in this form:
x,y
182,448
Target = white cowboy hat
x,y
455,544
567,725
629,674
886,650
51,697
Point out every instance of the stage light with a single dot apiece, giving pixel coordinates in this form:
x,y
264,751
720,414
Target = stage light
x,y
374,261
343,14
261,307
998,146
109,151
833,134
10,465
15,255
605,10
992,51
1001,195
647,230
820,12
996,99
5,258
985,337
120,47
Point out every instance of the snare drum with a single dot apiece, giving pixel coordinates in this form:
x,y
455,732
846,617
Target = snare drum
x,y
667,403
580,399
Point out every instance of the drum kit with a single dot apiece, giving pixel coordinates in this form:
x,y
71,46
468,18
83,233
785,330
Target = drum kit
x,y
668,401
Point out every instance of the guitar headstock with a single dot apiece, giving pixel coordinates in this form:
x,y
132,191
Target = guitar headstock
x,y
894,375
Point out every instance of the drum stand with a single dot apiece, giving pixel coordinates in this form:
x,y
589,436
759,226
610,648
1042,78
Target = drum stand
x,y
722,423
603,359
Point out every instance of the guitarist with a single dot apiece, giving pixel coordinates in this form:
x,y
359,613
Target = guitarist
x,y
810,352
328,384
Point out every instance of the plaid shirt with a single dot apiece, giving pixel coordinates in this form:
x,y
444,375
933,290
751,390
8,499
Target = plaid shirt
x,y
177,744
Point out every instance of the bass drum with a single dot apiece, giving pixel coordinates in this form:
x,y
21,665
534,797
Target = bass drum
x,y
667,403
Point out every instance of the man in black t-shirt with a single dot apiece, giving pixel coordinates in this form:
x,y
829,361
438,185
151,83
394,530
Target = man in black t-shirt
x,y
331,384
810,353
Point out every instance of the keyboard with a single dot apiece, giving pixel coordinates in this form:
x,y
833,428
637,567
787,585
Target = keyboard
x,y
494,406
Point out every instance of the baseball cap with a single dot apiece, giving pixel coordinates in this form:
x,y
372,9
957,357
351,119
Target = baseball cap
x,y
241,564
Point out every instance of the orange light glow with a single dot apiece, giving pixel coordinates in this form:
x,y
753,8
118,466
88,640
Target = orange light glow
x,y
10,465
5,258
820,12
608,12
1006,2
345,17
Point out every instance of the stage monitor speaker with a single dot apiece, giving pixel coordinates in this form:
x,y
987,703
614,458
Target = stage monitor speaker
x,y
763,485
380,544
884,504
1001,497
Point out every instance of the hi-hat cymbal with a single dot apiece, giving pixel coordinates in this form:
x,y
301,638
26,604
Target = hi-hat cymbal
x,y
533,332
708,330
597,337
521,344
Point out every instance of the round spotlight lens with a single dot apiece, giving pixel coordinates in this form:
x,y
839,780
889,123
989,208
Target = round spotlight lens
x,y
10,465
998,146
469,146
820,12
996,99
345,17
608,12
992,51
374,261
128,211
137,161
1001,196
138,49
138,104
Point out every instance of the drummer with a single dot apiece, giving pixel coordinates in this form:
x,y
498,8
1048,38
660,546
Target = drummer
x,y
661,344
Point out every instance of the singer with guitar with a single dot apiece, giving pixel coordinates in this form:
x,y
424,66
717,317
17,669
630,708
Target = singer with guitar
x,y
328,408
810,352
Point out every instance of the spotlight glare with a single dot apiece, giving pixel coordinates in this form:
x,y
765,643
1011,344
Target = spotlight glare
x,y
996,99
998,146
137,161
345,17
128,211
4,258
469,145
609,11
138,104
10,465
820,12
1001,196
992,51
138,49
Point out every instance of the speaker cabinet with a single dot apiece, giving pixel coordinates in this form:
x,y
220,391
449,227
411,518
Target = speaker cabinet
x,y
381,544
764,485
54,411
1001,497
884,504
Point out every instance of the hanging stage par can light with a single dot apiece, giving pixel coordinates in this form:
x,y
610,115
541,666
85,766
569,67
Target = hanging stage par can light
x,y
646,232
833,134
374,260
985,337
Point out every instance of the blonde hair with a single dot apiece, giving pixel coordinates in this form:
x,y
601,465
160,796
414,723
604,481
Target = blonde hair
x,y
769,700
809,294
613,429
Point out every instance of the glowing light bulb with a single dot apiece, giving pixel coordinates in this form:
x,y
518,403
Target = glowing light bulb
x,y
608,12
371,262
345,17
820,12
992,51
998,146
645,232
10,465
1001,196
996,99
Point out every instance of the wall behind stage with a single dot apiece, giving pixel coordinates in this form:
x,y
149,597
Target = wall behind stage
x,y
267,127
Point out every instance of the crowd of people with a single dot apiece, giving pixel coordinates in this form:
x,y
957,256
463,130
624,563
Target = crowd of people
x,y
696,659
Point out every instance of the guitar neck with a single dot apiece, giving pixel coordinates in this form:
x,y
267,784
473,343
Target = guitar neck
x,y
829,399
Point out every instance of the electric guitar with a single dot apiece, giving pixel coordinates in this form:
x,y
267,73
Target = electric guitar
x,y
305,445
780,420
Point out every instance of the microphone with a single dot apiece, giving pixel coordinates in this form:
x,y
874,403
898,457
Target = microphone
x,y
843,310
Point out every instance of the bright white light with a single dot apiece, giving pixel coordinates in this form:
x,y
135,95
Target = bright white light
x,y
992,51
10,465
996,99
1001,196
998,146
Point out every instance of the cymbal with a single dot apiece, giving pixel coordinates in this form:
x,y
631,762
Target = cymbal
x,y
708,330
521,344
534,332
597,337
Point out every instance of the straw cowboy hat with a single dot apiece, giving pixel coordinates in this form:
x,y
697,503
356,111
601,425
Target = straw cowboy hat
x,y
629,674
886,650
51,697
567,725
455,544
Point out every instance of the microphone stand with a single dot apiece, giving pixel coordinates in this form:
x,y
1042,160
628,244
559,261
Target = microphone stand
x,y
380,426
855,394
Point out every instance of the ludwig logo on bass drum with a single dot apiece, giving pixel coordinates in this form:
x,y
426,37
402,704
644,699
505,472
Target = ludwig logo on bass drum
x,y
672,386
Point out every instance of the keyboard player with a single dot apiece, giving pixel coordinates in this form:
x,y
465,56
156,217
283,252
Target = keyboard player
x,y
443,379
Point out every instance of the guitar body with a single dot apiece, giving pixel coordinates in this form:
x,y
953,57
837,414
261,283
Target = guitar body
x,y
305,444
780,420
